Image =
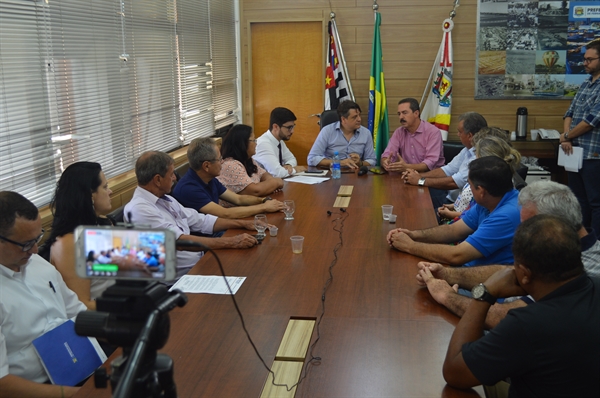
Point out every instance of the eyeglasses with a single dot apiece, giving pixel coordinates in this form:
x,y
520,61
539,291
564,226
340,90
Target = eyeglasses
x,y
589,60
220,160
290,128
27,245
252,140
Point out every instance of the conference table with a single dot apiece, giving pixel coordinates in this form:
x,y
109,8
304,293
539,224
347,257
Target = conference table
x,y
382,335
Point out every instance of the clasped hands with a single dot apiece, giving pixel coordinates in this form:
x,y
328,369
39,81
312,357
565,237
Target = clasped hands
x,y
400,239
411,176
503,283
566,145
352,161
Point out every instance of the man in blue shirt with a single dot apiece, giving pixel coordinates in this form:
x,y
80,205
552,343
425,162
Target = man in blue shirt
x,y
486,230
201,190
582,128
348,137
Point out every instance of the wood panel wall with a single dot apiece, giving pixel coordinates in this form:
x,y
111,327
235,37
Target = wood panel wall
x,y
411,32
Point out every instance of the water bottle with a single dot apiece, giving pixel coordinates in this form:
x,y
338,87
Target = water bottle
x,y
336,170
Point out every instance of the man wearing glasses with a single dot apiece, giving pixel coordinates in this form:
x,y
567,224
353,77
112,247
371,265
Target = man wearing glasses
x,y
271,151
582,128
33,300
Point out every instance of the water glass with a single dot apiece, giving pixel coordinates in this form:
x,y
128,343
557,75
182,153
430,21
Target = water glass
x,y
289,209
260,223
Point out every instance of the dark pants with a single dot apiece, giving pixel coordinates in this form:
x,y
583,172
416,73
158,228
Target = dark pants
x,y
586,187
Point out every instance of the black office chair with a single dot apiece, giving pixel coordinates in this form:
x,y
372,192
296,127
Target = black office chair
x,y
451,149
328,117
116,216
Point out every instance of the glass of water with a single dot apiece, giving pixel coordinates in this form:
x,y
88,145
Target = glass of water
x,y
290,207
260,223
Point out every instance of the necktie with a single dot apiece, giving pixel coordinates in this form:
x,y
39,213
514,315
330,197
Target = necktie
x,y
280,154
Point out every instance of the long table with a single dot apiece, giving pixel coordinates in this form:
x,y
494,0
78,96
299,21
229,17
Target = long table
x,y
381,335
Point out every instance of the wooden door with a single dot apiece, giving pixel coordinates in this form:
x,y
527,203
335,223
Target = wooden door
x,y
287,71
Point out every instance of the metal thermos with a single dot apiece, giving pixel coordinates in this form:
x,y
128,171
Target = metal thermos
x,y
521,123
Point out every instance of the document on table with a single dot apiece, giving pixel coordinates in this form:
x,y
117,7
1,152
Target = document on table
x,y
210,284
572,162
307,180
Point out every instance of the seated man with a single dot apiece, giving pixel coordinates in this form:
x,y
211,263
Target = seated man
x,y
487,228
34,300
152,206
416,144
540,197
271,151
352,141
446,182
550,348
200,189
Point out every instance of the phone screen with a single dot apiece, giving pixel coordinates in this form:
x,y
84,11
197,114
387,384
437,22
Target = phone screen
x,y
125,253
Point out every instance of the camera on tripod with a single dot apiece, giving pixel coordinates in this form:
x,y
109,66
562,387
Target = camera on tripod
x,y
132,313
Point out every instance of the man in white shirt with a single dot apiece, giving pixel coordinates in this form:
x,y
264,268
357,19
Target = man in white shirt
x,y
271,151
34,299
152,206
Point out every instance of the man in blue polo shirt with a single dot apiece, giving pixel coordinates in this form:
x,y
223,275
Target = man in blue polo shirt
x,y
485,231
200,189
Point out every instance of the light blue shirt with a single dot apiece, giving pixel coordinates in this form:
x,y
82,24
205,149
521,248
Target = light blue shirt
x,y
458,169
331,139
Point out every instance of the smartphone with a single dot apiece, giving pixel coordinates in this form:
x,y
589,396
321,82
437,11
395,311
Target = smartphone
x,y
125,253
376,170
314,171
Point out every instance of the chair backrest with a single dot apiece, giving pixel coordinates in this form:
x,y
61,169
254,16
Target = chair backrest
x,y
116,216
328,117
451,149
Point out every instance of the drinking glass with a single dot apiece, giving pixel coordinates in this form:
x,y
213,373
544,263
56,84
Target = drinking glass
x,y
290,207
260,223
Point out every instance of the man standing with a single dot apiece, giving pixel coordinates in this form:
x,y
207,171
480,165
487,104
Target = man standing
x,y
445,183
348,137
486,228
582,128
33,300
200,189
152,206
540,197
416,144
271,151
550,348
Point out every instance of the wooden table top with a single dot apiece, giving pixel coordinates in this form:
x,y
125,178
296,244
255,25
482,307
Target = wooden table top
x,y
382,335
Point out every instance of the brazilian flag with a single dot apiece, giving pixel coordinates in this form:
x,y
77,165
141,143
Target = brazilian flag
x,y
378,114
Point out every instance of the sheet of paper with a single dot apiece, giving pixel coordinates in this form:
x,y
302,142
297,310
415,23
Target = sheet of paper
x,y
307,180
210,284
572,162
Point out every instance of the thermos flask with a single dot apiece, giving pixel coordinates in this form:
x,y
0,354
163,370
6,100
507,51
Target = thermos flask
x,y
521,123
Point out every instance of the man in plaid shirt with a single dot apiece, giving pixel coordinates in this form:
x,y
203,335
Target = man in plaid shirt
x,y
582,128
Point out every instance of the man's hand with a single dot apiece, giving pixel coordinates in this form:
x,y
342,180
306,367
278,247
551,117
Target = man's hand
x,y
504,283
348,162
438,288
567,147
355,158
385,163
446,211
435,269
242,241
288,168
411,177
274,205
248,224
393,231
399,166
300,169
400,241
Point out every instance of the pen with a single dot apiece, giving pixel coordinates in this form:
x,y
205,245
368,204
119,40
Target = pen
x,y
52,286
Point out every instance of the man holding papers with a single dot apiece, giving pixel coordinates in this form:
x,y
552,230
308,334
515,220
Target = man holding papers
x,y
582,129
33,300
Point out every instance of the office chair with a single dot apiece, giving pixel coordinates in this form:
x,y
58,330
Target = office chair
x,y
328,117
451,149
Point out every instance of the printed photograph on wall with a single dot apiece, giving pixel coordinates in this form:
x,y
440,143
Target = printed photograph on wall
x,y
533,49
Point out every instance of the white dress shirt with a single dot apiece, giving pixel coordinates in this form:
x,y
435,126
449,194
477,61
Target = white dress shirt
x,y
32,302
267,154
166,212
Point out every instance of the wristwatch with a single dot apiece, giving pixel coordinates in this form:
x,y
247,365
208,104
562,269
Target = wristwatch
x,y
480,292
567,135
266,198
421,181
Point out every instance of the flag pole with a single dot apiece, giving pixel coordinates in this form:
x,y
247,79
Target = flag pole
x,y
339,48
